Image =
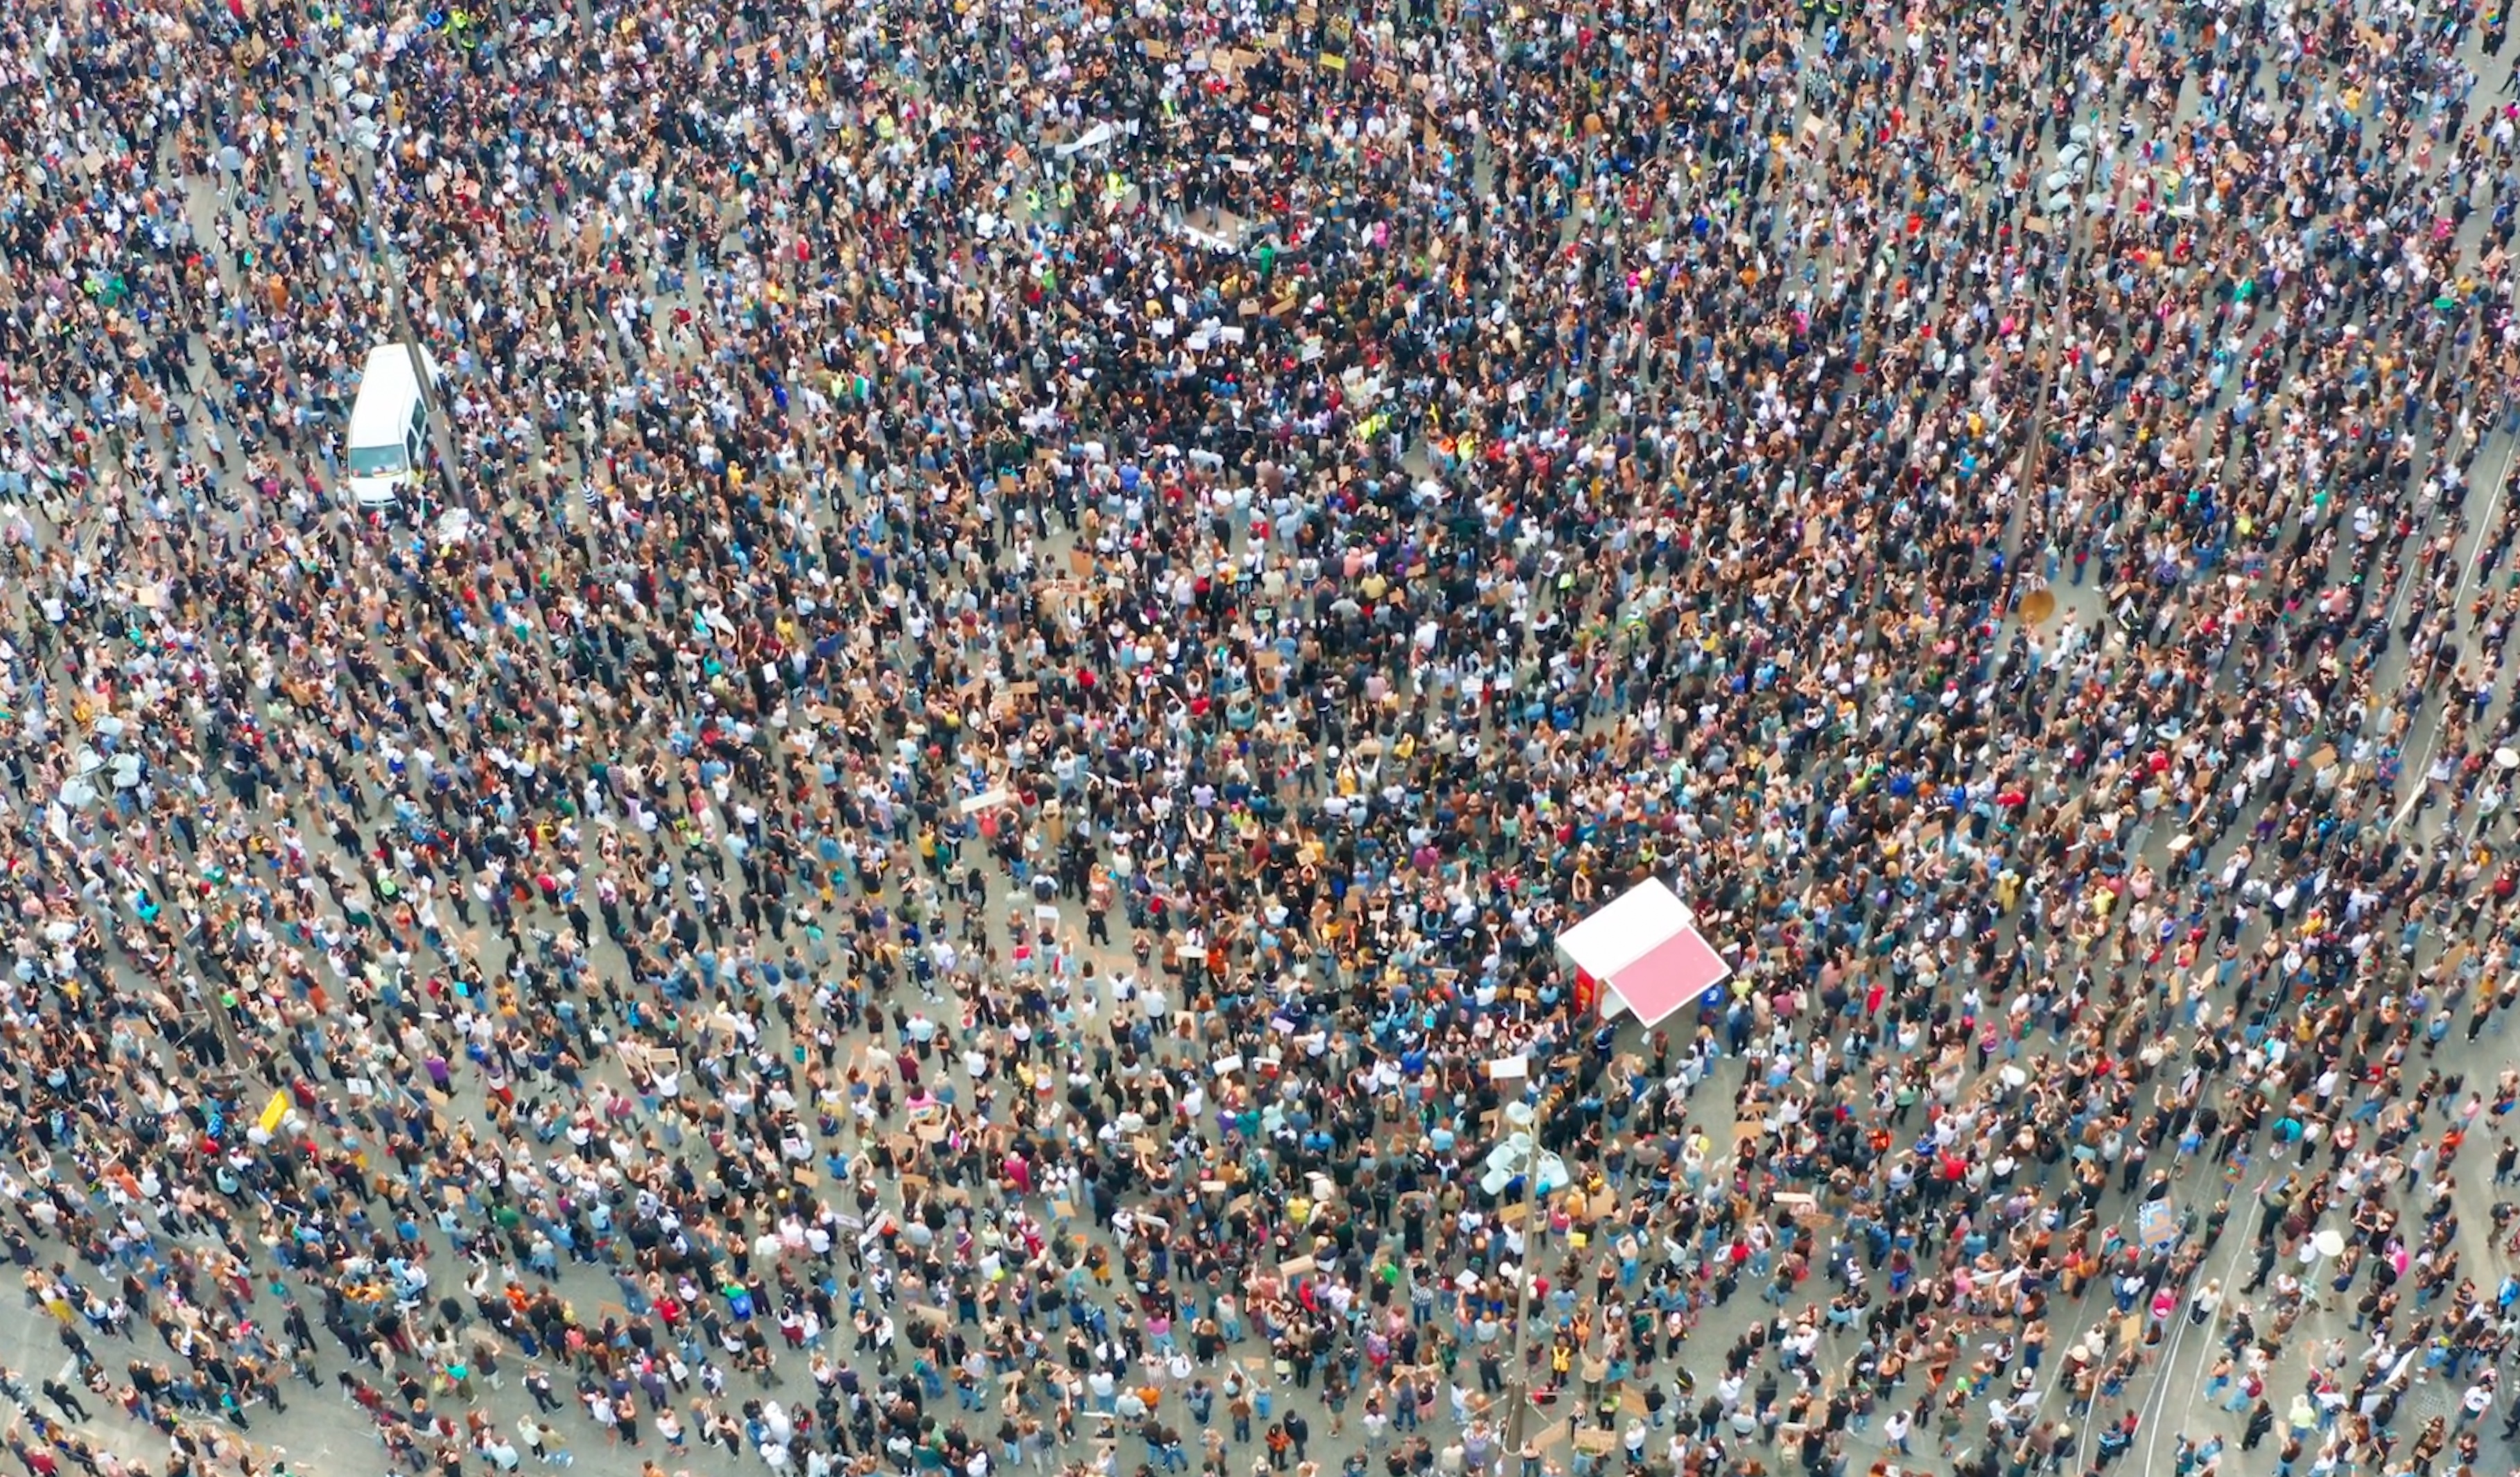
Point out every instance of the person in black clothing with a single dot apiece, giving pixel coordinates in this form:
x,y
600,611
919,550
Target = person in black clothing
x,y
2262,1419
2264,1267
293,1322
65,1400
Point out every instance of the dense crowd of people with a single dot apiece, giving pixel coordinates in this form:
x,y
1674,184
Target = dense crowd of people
x,y
1038,615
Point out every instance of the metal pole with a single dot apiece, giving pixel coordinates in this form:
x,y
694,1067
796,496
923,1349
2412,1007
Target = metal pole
x,y
398,304
2035,445
1518,1376
363,175
439,430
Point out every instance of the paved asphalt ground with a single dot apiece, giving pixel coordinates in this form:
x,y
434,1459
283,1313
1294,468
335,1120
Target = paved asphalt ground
x,y
325,1436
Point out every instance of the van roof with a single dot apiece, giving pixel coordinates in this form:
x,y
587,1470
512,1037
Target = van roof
x,y
387,390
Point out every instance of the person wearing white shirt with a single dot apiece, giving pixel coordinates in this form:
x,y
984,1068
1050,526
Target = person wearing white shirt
x,y
2476,1401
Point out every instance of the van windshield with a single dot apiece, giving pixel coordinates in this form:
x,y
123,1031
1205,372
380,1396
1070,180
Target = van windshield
x,y
378,461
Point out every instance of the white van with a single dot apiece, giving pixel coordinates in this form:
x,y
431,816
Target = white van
x,y
389,434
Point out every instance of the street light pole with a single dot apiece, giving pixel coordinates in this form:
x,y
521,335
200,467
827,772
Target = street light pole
x,y
1518,1376
398,305
2034,445
363,179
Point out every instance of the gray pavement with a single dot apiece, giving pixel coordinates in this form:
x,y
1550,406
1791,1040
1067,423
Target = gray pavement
x,y
321,1434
